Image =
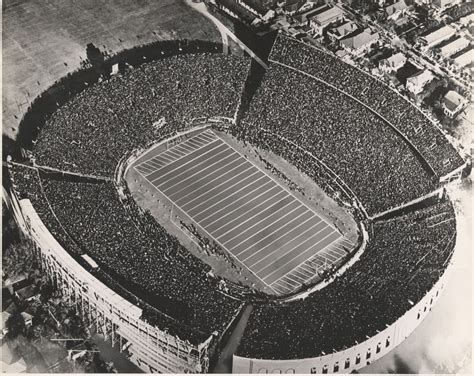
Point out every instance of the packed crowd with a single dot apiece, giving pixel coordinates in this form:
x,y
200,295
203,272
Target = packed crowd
x,y
425,136
133,249
91,132
404,259
359,147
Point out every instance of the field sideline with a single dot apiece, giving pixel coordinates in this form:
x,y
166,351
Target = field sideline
x,y
253,217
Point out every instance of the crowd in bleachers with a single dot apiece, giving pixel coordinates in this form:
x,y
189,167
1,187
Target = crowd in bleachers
x,y
91,132
359,147
132,248
403,260
426,137
138,250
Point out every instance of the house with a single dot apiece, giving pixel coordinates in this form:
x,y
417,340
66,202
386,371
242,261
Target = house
x,y
290,7
444,4
260,8
397,10
437,37
393,63
416,83
303,18
453,103
337,32
360,43
467,20
320,21
467,58
453,47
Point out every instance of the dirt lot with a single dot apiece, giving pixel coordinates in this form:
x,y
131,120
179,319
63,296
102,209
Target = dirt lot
x,y
44,40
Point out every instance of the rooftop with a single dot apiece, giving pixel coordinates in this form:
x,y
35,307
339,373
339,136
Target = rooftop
x,y
452,100
454,46
359,40
444,32
327,15
398,6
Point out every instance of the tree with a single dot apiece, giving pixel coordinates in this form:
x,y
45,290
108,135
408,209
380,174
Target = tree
x,y
15,325
46,292
18,259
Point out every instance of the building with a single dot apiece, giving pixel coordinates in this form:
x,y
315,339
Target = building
x,y
454,47
467,20
396,10
260,8
437,37
444,4
453,103
320,21
340,31
416,83
360,43
393,63
290,7
467,58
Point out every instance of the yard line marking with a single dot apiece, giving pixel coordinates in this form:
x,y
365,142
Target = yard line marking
x,y
306,250
176,153
249,203
143,168
229,159
195,155
282,186
233,199
243,168
248,219
154,163
311,217
276,194
299,274
221,192
235,177
190,167
216,240
291,249
292,282
233,202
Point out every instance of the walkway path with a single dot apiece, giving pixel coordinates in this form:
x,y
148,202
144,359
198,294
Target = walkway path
x,y
225,32
224,363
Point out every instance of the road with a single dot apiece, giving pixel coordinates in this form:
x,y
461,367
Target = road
x,y
224,31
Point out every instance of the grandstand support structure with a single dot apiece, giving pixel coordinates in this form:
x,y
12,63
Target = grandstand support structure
x,y
149,347
355,357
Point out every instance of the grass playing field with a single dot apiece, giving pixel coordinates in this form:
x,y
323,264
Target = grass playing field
x,y
257,220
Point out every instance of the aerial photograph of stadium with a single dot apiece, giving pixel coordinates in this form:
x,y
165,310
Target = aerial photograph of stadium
x,y
237,186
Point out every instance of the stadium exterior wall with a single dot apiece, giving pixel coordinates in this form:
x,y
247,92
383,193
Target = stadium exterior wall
x,y
150,348
355,357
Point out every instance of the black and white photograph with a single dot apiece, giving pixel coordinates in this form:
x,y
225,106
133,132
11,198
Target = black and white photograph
x,y
237,186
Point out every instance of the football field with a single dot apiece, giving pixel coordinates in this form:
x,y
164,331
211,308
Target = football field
x,y
247,212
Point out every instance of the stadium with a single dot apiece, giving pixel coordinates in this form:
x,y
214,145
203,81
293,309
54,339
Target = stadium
x,y
177,187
